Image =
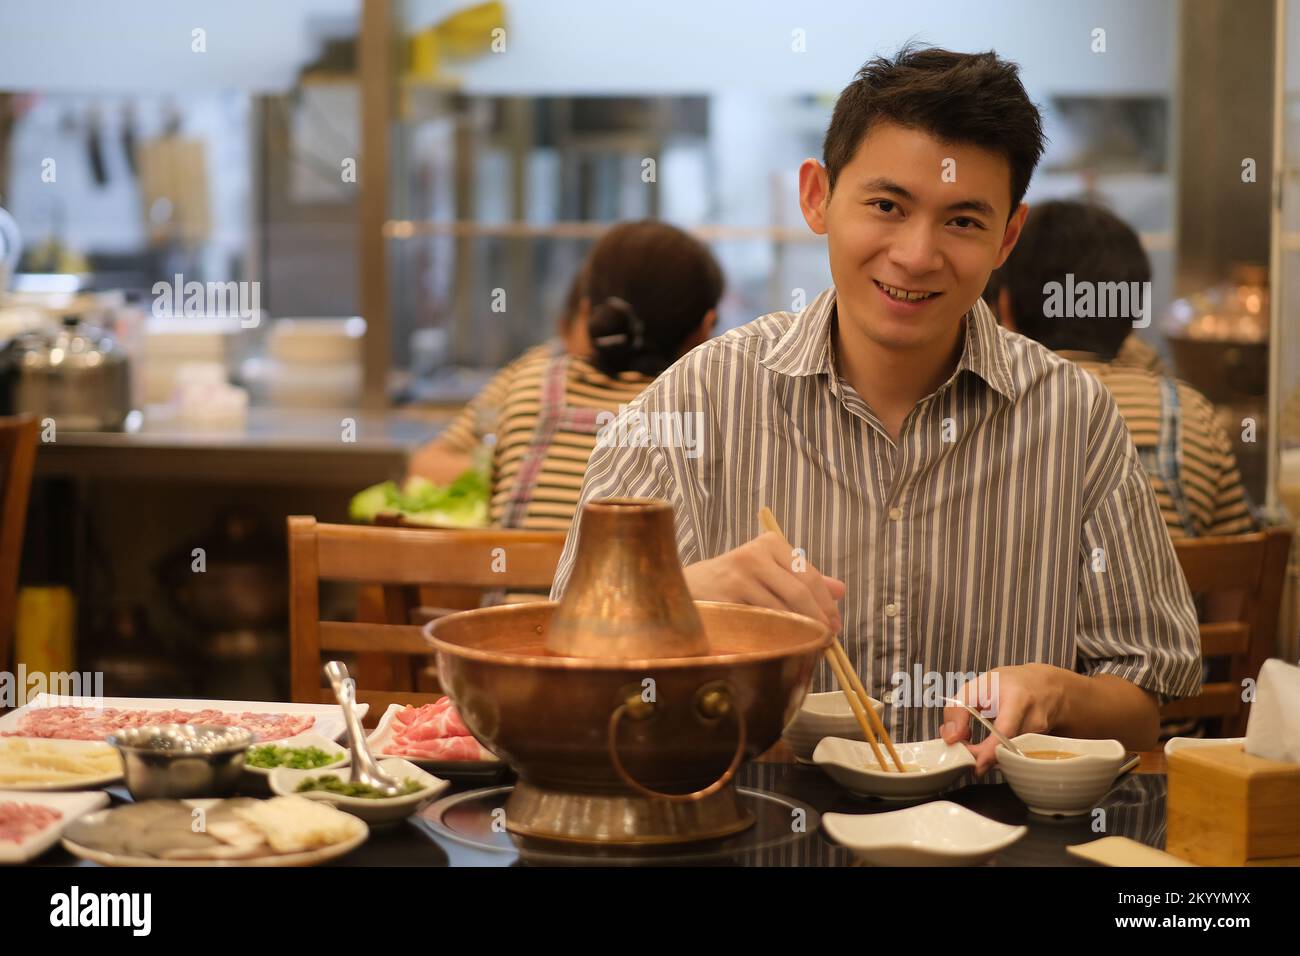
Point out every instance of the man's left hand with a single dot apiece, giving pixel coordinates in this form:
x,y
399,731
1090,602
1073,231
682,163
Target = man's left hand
x,y
1027,698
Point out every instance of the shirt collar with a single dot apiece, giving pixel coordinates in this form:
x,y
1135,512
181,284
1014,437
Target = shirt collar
x,y
805,348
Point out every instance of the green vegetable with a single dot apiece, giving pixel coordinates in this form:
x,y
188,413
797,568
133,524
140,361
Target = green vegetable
x,y
332,784
461,504
299,758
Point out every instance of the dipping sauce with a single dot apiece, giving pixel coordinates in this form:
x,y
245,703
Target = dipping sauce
x,y
1049,754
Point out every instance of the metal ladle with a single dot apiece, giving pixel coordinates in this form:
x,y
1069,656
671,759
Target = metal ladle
x,y
365,769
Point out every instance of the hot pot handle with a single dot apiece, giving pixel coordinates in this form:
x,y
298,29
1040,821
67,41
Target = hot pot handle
x,y
713,700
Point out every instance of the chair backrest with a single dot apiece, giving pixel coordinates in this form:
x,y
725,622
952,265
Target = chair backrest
x,y
17,458
1242,632
401,560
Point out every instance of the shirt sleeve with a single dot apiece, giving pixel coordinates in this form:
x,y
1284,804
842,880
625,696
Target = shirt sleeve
x,y
1136,616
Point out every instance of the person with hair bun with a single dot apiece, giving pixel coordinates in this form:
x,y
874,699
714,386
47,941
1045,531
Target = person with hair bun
x,y
646,295
652,295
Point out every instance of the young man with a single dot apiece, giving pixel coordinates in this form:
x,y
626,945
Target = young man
x,y
973,501
1186,452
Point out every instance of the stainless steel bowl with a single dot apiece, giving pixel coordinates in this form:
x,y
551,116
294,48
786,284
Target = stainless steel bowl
x,y
173,761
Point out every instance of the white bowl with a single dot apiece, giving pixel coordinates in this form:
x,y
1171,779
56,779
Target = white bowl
x,y
301,741
376,812
1061,788
852,765
823,715
940,833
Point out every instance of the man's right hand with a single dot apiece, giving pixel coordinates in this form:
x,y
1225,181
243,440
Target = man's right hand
x,y
762,572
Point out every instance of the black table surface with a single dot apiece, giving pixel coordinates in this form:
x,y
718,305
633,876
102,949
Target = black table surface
x,y
1135,808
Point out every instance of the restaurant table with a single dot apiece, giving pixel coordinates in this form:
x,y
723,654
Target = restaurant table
x,y
1134,807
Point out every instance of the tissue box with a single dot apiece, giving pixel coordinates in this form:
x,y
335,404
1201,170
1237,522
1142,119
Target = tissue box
x,y
1226,807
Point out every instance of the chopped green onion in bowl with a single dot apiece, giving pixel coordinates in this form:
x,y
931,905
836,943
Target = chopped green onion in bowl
x,y
268,756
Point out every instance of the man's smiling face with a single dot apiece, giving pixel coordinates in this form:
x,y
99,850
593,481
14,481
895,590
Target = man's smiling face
x,y
911,248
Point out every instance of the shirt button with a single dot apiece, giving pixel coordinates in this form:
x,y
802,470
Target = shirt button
x,y
895,514
891,609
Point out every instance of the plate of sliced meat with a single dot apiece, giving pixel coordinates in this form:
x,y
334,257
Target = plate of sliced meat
x,y
30,823
433,737
94,718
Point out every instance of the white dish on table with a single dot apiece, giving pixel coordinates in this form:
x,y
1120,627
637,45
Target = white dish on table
x,y
328,717
71,805
1175,744
382,735
1062,788
259,778
940,833
88,782
357,836
376,811
852,765
823,715
302,741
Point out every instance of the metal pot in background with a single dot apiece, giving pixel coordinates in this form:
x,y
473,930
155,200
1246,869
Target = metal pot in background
x,y
75,374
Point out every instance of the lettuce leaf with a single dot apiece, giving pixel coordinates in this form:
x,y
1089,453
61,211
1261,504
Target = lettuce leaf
x,y
461,504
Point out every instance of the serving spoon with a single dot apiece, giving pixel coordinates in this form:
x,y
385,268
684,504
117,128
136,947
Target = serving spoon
x,y
1002,739
365,769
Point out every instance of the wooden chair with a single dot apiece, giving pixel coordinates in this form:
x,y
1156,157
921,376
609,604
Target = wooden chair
x,y
17,458
402,560
1243,631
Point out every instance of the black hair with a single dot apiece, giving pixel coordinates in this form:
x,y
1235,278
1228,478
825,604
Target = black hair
x,y
650,285
974,98
1081,239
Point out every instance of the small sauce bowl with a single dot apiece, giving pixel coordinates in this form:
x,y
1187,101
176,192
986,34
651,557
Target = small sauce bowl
x,y
175,761
1063,788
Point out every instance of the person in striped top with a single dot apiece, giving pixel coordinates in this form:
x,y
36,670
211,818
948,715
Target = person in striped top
x,y
648,293
964,506
1183,447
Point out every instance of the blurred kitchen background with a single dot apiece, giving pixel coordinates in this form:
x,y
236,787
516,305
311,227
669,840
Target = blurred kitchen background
x,y
380,173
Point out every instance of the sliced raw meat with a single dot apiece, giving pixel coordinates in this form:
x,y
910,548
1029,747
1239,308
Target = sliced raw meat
x,y
433,732
415,723
443,748
87,723
18,821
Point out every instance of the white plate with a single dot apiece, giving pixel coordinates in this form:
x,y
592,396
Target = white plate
x,y
81,783
382,734
71,805
852,765
1174,744
285,780
941,833
303,858
329,718
303,740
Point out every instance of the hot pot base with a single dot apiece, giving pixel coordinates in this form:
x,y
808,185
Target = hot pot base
x,y
471,818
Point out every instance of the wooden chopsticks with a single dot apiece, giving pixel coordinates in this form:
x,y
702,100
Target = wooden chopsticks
x,y
846,676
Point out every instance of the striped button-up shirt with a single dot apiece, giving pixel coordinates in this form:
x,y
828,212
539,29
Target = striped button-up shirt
x,y
1012,522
